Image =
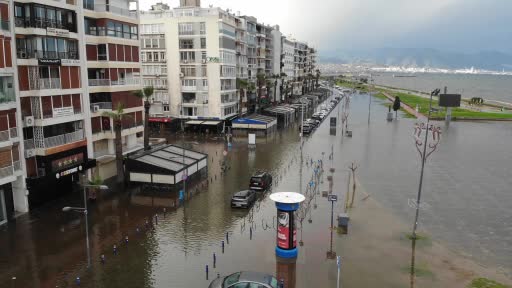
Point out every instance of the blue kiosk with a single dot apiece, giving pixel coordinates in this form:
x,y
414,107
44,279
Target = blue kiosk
x,y
286,204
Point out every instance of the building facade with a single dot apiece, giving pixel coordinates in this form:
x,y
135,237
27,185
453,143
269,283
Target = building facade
x,y
64,63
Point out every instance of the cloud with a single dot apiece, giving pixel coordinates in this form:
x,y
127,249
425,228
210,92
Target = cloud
x,y
365,24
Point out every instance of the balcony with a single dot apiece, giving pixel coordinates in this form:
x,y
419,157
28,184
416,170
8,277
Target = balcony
x,y
110,9
10,134
108,82
6,171
45,83
42,23
101,106
35,54
29,144
7,96
61,112
63,139
188,88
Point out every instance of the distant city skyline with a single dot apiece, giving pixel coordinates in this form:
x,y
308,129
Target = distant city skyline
x,y
448,25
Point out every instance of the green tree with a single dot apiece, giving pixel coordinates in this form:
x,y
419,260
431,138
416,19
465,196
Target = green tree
x,y
317,76
260,81
145,94
242,85
117,118
396,105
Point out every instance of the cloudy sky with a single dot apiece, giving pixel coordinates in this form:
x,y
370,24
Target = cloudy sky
x,y
452,25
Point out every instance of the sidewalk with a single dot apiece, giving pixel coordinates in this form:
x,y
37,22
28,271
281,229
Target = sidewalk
x,y
406,107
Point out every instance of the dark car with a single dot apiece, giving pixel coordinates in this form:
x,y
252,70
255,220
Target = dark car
x,y
260,181
307,130
245,279
243,199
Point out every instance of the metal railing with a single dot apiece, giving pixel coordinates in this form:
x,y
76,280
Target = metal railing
x,y
126,81
28,54
99,82
102,105
29,144
13,132
6,171
63,139
4,25
4,136
42,23
16,165
7,96
110,8
45,83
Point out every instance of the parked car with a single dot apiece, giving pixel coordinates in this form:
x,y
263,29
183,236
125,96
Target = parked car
x,y
260,181
245,279
307,129
243,199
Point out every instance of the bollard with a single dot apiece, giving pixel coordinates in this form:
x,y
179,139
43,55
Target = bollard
x,y
214,260
227,237
222,243
250,233
126,239
77,281
206,272
156,219
102,258
115,250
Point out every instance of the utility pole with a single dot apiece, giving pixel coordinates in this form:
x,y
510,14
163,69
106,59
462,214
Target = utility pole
x,y
370,97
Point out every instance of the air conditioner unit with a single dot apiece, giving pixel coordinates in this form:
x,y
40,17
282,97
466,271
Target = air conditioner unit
x,y
182,75
23,55
95,108
29,121
30,153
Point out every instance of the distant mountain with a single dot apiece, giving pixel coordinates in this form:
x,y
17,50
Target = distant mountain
x,y
412,57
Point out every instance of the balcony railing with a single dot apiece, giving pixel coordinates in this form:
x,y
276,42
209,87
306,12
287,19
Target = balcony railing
x,y
108,82
4,25
29,54
6,171
102,106
101,153
16,165
7,96
13,132
63,139
4,136
42,23
29,144
110,8
61,112
188,88
45,83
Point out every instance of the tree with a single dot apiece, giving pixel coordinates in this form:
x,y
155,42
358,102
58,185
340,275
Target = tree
x,y
145,94
260,81
396,106
251,88
276,78
242,85
117,117
317,77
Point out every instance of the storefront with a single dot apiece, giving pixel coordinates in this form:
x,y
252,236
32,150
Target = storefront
x,y
57,174
6,204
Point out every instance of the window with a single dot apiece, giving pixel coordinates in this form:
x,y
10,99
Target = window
x,y
202,28
162,56
185,29
205,82
203,43
155,56
102,51
187,56
188,82
188,71
166,108
186,44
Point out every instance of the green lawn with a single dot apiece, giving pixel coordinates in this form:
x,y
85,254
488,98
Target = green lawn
x,y
485,283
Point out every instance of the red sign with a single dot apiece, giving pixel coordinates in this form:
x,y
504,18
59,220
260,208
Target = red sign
x,y
160,119
283,230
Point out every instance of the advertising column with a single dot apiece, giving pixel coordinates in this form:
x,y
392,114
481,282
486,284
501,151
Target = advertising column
x,y
286,203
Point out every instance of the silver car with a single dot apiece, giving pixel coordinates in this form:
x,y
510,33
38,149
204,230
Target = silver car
x,y
245,279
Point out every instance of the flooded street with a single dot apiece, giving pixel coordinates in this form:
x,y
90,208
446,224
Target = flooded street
x,y
466,214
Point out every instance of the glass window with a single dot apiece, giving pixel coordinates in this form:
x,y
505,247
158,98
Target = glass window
x,y
102,51
40,12
203,43
231,279
111,26
119,30
126,31
162,56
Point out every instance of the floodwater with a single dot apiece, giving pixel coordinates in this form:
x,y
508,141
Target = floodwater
x,y
466,202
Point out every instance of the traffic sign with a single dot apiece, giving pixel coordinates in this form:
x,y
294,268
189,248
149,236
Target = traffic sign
x,y
332,198
338,261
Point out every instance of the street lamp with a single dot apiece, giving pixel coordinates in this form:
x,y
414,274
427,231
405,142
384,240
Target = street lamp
x,y
421,146
84,211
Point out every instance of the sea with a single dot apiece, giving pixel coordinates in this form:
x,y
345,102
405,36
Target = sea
x,y
489,87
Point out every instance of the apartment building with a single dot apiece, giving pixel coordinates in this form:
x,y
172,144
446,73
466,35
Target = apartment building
x,y
68,63
208,63
200,60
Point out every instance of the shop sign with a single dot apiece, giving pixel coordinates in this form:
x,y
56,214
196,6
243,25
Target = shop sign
x,y
46,61
68,172
67,162
50,31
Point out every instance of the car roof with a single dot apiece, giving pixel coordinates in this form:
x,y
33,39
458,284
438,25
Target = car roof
x,y
255,277
259,174
242,193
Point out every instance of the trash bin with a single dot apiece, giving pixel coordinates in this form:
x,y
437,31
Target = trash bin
x,y
343,219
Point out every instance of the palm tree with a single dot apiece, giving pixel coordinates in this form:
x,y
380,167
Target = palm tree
x,y
282,76
260,81
317,77
145,94
275,77
117,118
251,89
242,84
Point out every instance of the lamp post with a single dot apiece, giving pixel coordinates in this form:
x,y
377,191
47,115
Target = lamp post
x,y
84,211
421,146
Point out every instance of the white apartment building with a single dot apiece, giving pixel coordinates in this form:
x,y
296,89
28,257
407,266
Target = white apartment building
x,y
200,60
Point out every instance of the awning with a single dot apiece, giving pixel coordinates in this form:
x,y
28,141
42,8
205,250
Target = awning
x,y
167,165
194,122
210,123
255,121
160,119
